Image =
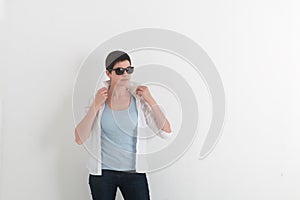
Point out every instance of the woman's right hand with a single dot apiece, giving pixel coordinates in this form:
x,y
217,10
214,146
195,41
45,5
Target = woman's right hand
x,y
101,97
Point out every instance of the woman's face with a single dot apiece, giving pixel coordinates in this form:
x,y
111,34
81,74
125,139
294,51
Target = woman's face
x,y
119,79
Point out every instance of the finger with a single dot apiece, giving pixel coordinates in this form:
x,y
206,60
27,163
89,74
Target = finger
x,y
139,89
100,91
103,88
139,93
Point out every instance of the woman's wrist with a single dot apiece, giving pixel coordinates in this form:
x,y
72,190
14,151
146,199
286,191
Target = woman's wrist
x,y
96,107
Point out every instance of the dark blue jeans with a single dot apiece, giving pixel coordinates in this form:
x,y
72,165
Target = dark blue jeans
x,y
133,185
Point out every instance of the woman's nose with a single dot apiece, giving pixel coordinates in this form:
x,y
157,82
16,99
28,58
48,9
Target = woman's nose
x,y
125,74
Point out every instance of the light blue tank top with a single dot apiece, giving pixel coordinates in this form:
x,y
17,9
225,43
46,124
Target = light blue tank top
x,y
118,138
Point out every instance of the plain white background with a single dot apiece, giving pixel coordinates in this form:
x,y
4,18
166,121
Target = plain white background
x,y
253,44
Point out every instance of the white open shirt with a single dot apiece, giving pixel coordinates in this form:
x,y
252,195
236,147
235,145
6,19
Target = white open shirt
x,y
145,119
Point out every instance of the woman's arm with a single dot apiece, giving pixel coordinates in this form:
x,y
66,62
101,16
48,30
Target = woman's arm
x,y
83,129
160,119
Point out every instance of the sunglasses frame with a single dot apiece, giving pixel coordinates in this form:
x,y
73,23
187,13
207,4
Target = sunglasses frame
x,y
121,71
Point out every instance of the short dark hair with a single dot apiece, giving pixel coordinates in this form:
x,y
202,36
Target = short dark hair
x,y
114,57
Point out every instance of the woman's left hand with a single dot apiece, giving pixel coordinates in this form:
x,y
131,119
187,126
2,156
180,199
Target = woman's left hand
x,y
144,92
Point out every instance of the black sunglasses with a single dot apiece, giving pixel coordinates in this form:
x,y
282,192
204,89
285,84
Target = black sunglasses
x,y
120,71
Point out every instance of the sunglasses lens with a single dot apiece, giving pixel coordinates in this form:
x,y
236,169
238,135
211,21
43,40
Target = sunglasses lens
x,y
130,70
120,71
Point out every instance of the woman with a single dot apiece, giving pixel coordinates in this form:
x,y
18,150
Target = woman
x,y
112,130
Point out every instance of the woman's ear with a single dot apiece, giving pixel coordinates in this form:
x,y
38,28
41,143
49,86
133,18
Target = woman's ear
x,y
107,73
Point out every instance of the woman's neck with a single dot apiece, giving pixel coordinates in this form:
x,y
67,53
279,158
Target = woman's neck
x,y
116,91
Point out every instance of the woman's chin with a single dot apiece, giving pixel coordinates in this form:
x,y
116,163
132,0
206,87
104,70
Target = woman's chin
x,y
123,81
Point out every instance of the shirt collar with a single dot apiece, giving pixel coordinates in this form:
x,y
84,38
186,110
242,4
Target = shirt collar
x,y
132,85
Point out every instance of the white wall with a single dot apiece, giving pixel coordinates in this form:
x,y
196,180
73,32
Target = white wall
x,y
253,45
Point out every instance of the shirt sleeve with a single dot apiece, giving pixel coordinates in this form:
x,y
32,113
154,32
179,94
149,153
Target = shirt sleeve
x,y
151,121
